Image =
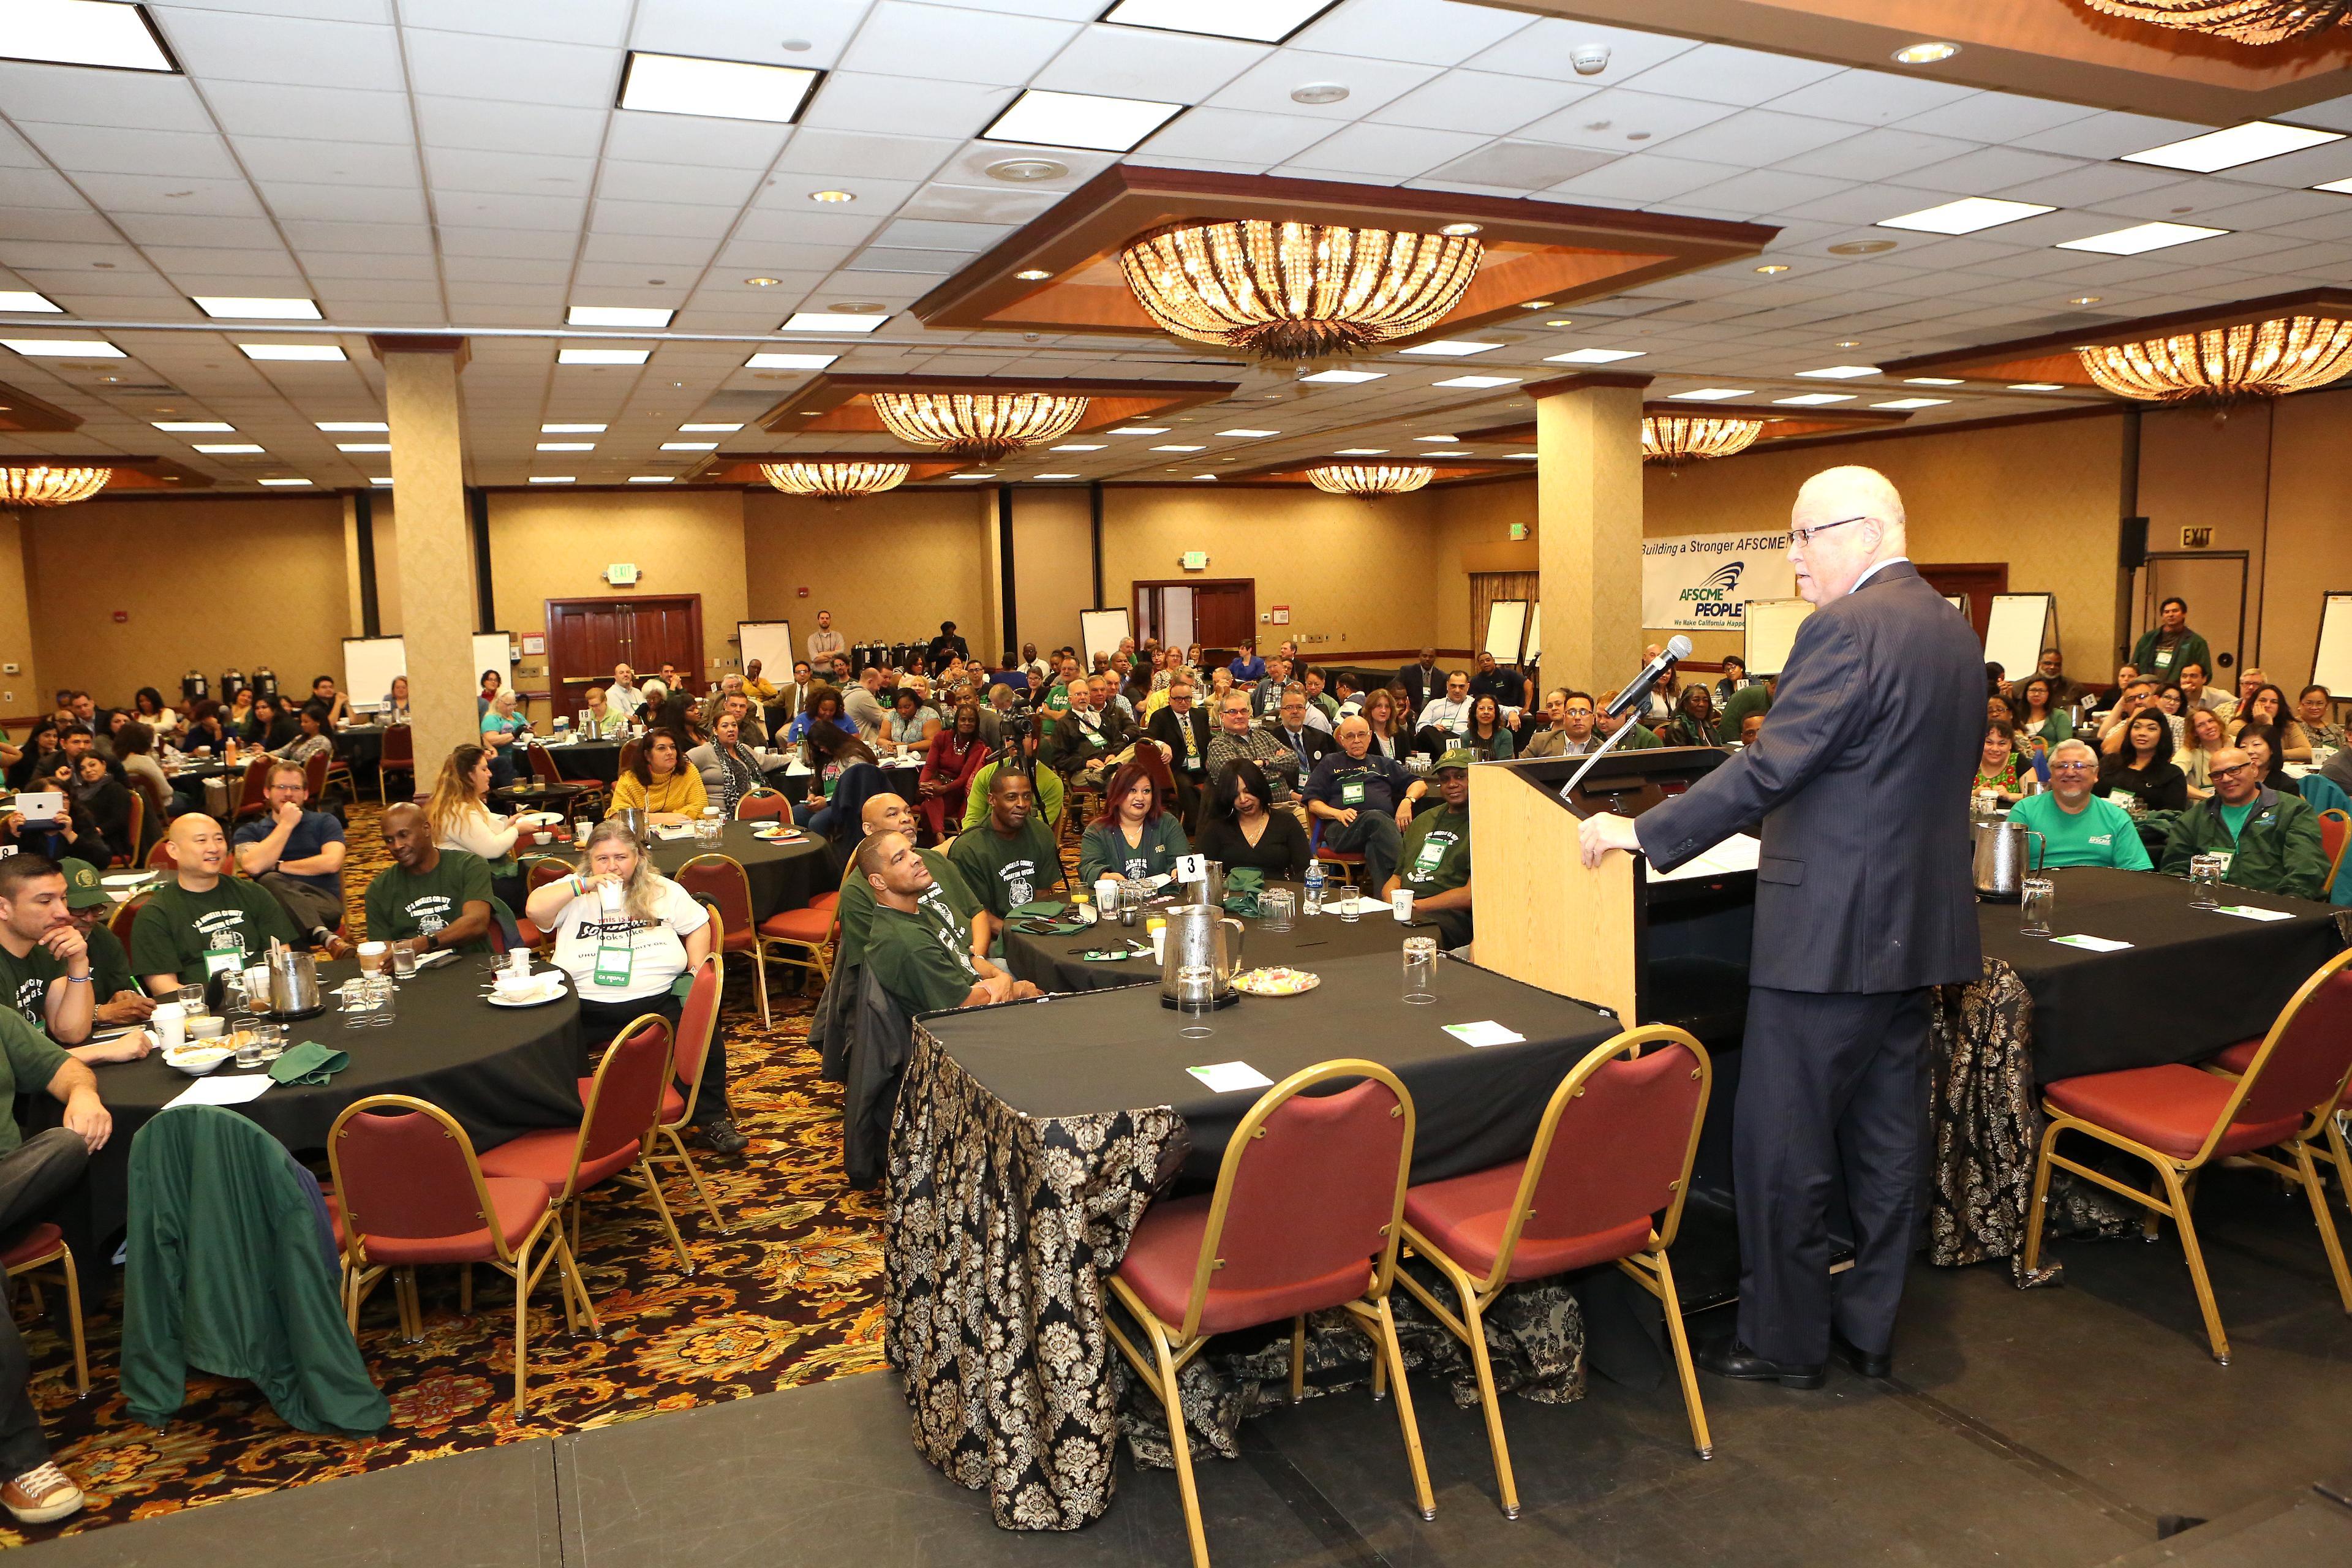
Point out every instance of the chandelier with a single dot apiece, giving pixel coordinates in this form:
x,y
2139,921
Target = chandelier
x,y
2260,359
44,486
2242,21
981,424
1675,439
1297,290
834,480
1370,478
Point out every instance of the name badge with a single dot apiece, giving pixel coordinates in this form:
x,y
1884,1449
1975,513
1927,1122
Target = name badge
x,y
614,963
217,958
1352,793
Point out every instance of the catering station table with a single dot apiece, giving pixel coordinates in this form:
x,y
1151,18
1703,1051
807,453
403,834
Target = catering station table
x,y
1030,1137
2192,982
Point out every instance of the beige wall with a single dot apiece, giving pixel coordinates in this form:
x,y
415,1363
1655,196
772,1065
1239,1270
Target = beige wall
x,y
888,566
1472,524
20,692
2307,549
1054,566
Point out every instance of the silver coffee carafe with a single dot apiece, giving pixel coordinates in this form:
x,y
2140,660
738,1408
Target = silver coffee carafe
x,y
1205,943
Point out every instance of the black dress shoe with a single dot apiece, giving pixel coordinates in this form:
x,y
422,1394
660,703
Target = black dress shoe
x,y
1869,1363
724,1137
1732,1359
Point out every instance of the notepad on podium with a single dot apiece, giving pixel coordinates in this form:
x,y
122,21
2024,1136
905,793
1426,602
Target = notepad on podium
x,y
1734,853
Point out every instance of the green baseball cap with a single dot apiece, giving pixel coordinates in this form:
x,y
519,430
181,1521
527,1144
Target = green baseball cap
x,y
82,889
1459,757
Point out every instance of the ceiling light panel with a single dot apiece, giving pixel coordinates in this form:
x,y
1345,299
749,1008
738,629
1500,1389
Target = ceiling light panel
x,y
571,429
1966,216
2140,237
2229,148
1815,399
553,478
1477,382
25,302
194,427
250,308
81,33
352,426
1714,393
789,361
226,449
653,479
1141,430
1044,118
689,446
63,348
1912,403
1244,434
1450,348
287,484
1837,373
319,353
363,446
694,429
567,445
1252,21
616,316
603,356
1594,356
715,89
1343,377
831,322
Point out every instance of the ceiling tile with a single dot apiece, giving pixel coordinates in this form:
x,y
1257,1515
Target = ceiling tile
x,y
2086,184
750,30
638,250
265,109
1415,31
808,226
137,101
942,236
1516,167
363,204
358,238
1761,191
660,218
180,262
949,45
1645,178
62,224
1485,101
1133,62
1990,169
1389,151
1611,119
2109,135
1755,136
39,188
1547,50
173,196
151,229
357,162
1869,98
554,214
973,204
686,139
230,46
1259,140
603,22
507,174
94,149
1267,86
1719,73
470,65
2276,211
675,182
1996,117
905,106
1876,154
816,150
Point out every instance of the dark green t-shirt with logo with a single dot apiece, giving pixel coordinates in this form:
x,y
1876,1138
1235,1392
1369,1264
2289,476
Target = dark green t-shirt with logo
x,y
1005,873
946,892
402,903
1436,855
25,982
177,929
922,960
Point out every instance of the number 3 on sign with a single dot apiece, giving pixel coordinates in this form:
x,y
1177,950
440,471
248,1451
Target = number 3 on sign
x,y
1191,868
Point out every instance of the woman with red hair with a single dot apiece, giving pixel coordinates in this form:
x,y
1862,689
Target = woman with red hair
x,y
1137,836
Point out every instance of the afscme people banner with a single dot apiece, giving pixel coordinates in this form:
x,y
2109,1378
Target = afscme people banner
x,y
1702,582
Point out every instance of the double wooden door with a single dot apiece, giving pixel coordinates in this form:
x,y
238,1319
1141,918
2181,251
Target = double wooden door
x,y
586,638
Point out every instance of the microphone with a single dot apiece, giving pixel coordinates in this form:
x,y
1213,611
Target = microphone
x,y
1638,689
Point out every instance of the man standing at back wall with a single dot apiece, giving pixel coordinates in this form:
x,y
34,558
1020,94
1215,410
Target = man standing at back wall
x,y
1863,901
825,642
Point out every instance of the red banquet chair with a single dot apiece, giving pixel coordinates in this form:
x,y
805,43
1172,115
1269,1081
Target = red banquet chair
x,y
720,882
409,1192
538,871
39,1247
2179,1119
398,756
2334,836
1304,1218
763,805
698,1023
1612,1155
1350,862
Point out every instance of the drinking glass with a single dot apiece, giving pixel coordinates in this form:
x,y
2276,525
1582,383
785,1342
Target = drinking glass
x,y
272,1039
1346,907
403,962
191,999
385,998
257,988
1420,970
2037,897
1196,995
1276,908
248,1052
2205,880
359,996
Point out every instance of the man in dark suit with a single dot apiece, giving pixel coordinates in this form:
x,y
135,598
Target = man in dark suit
x,y
1863,901
1422,681
1182,727
1298,737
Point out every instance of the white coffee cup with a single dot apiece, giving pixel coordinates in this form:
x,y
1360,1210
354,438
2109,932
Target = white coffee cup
x,y
374,957
169,1023
1106,894
1400,904
1159,944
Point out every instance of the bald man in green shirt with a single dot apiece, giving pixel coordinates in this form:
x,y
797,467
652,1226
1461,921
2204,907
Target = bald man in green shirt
x,y
919,951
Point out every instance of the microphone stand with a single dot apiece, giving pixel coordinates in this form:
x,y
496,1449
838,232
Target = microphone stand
x,y
1632,697
1567,791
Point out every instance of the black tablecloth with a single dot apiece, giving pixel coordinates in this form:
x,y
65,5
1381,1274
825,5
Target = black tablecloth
x,y
361,746
903,777
599,762
1053,962
785,873
501,1071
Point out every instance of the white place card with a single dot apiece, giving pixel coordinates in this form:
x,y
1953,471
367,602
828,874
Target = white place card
x,y
1486,1032
2092,943
2248,913
1231,1078
219,1090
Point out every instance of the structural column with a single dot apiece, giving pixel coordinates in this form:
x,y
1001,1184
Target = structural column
x,y
1589,527
435,551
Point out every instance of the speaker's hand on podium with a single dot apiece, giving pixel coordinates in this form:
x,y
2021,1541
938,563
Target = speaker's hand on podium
x,y
1602,832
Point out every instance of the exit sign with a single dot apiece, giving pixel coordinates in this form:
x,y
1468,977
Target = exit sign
x,y
2196,539
1196,561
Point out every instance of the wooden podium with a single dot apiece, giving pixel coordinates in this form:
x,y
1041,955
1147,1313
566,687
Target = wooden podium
x,y
1651,950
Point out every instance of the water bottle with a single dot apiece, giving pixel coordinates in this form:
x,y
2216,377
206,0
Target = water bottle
x,y
1314,887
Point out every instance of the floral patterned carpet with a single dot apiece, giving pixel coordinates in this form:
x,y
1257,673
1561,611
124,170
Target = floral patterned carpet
x,y
790,1294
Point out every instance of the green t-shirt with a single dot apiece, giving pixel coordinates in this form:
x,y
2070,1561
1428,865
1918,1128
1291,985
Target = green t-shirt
x,y
1056,703
28,1059
1046,783
402,903
177,927
1436,854
109,966
2233,817
24,983
1005,873
920,959
2101,834
1105,851
856,908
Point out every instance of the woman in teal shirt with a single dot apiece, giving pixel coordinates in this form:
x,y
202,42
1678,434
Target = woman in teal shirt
x,y
1488,735
1136,837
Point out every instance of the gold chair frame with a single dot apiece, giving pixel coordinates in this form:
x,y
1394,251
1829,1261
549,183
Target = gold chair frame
x,y
69,1280
572,1199
719,931
671,1129
2336,864
1171,1349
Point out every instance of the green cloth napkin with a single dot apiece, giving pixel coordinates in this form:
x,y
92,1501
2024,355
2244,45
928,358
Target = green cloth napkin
x,y
310,1062
1243,885
1045,917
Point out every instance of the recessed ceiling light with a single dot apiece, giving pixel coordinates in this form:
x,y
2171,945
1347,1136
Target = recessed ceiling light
x,y
2227,149
1594,356
64,348
708,429
571,429
1816,399
363,446
763,282
1249,434
555,479
1254,21
831,322
1177,448
715,89
1848,343
321,352
286,484
1476,381
1966,216
616,316
1519,457
1773,269
352,426
1450,348
567,445
1837,373
1437,437
1080,119
2035,386
229,307
1095,447
1053,476
380,478
1319,92
1562,321
1537,305
2141,236
1912,403
1033,275
2085,299
971,475
1343,377
82,33
1141,430
195,427
1862,247
832,196
1925,54
689,446
25,301
1714,393
1459,229
1359,451
226,448
1027,171
1932,380
789,361
653,479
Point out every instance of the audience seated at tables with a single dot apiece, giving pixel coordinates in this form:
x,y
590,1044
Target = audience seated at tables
x,y
2251,679
337,705
1420,680
1136,837
1486,733
2077,826
240,711
605,722
2138,695
2207,733
953,900
147,706
1504,683
72,831
1240,830
2271,838
827,754
910,722
117,994
1751,725
2141,763
2313,710
1444,716
1009,858
1638,737
1567,729
1756,696
394,709
2001,769
822,706
1182,730
2266,705
40,742
2173,703
764,693
1435,859
310,737
2169,644
916,945
296,854
625,934
624,695
1239,740
1086,739
1694,724
1266,696
953,757
48,967
1997,706
1733,679
677,713
2039,711
492,682
2260,742
1321,702
1246,668
207,732
1044,783
1293,725
658,782
428,899
728,770
107,800
269,726
460,811
201,921
2195,693
861,701
1386,711
656,698
1363,800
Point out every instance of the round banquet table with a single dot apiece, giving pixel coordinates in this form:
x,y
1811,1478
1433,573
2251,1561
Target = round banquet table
x,y
361,746
595,762
1053,962
784,873
501,1071
903,770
